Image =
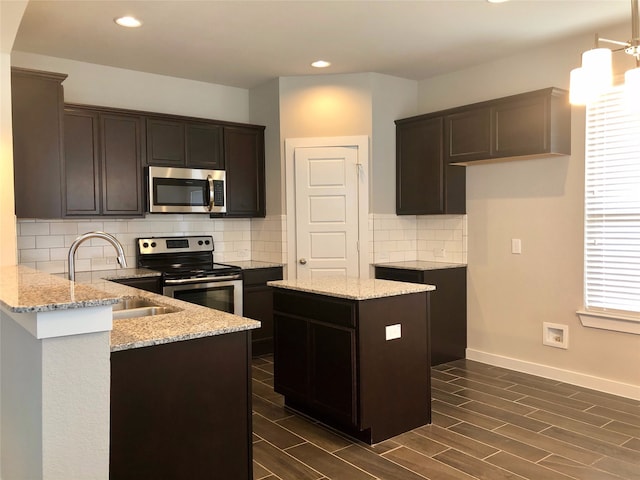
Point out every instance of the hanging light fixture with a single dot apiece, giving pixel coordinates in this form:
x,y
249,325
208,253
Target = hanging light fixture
x,y
596,74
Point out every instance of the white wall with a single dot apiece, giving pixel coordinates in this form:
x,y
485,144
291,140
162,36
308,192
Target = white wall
x,y
541,202
93,84
10,16
392,98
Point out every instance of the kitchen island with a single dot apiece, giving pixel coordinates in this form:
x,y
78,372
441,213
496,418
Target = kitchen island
x,y
354,353
59,345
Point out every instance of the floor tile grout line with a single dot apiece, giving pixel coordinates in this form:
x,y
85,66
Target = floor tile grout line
x,y
322,475
584,423
439,461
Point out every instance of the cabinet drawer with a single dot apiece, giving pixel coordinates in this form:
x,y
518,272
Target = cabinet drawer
x,y
260,276
399,275
315,307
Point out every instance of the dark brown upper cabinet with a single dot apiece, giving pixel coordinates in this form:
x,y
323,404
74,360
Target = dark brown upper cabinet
x,y
425,183
529,125
468,135
244,160
37,110
103,162
182,143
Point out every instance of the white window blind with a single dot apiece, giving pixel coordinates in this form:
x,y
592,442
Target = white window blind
x,y
612,207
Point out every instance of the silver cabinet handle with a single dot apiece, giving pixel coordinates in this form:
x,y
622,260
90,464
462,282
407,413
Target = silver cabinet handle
x,y
303,261
211,197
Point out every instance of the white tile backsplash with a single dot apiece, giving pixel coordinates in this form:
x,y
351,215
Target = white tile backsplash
x,y
441,238
44,244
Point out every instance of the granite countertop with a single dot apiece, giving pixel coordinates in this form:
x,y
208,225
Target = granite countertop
x,y
23,290
352,288
253,264
115,274
420,265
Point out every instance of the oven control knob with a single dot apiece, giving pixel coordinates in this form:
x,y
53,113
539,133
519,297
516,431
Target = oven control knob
x,y
206,242
153,244
199,242
145,245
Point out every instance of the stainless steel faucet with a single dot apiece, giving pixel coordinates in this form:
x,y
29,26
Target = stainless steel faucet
x,y
122,261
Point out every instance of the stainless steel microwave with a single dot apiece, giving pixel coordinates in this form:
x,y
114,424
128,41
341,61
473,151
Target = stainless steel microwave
x,y
186,190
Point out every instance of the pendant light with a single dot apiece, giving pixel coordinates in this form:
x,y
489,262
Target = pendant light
x,y
596,73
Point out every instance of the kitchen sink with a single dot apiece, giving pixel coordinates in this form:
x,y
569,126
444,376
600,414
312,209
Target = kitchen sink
x,y
133,307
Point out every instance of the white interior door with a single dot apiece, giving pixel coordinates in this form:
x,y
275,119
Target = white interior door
x,y
326,211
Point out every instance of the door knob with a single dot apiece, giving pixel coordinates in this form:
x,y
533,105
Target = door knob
x,y
302,261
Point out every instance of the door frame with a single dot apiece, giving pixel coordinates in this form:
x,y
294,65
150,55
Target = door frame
x,y
361,143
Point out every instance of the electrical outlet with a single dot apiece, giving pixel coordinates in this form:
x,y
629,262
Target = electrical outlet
x,y
439,252
110,260
244,253
391,332
516,246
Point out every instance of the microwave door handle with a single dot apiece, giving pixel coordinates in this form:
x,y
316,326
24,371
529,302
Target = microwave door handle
x,y
211,196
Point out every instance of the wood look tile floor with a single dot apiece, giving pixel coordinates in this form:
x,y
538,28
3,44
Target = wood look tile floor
x,y
489,423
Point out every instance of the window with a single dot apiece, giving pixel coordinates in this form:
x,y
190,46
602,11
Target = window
x,y
612,215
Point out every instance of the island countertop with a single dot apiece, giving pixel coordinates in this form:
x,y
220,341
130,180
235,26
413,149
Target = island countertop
x,y
25,290
422,265
352,288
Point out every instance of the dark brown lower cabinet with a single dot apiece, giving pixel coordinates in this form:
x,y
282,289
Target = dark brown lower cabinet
x,y
448,307
182,410
332,361
150,284
257,303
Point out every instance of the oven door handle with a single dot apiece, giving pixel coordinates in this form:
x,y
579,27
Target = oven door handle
x,y
211,195
182,281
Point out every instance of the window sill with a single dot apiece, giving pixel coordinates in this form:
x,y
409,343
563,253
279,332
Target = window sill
x,y
608,321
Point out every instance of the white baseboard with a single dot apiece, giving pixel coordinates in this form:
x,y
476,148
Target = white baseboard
x,y
574,378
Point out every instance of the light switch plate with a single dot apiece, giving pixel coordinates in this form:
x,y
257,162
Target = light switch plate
x,y
393,331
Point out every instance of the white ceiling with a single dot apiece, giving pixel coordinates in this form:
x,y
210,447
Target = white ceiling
x,y
245,43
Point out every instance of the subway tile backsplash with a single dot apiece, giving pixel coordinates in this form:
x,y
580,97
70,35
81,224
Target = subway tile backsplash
x,y
439,238
44,244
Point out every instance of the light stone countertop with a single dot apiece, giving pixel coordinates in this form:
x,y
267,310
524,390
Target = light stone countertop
x,y
24,290
420,265
253,264
352,288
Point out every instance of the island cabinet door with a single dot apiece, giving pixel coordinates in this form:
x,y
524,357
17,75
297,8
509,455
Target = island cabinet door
x,y
290,354
333,372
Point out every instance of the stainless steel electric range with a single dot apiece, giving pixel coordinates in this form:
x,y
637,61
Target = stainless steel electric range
x,y
189,272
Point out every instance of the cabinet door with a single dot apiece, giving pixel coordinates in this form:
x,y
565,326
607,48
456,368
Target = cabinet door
x,y
121,146
291,356
204,146
81,162
258,304
244,163
37,109
468,135
333,371
165,142
419,167
521,127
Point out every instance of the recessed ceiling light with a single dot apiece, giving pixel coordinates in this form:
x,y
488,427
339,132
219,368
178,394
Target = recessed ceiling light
x,y
130,22
497,1
320,64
